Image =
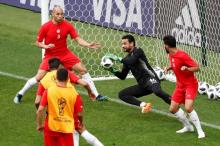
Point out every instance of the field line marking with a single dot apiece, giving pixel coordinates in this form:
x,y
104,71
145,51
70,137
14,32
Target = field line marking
x,y
116,101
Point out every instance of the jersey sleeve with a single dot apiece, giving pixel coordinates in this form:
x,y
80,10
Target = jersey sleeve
x,y
41,33
78,106
73,32
123,73
40,89
188,61
44,99
73,77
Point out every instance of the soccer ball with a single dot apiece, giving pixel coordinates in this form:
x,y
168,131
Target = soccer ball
x,y
211,92
170,77
203,87
217,86
160,73
106,62
217,94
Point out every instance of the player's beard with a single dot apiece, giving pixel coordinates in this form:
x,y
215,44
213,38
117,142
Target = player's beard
x,y
126,49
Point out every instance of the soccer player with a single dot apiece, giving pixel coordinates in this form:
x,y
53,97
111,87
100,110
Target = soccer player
x,y
62,102
54,33
183,67
50,80
137,63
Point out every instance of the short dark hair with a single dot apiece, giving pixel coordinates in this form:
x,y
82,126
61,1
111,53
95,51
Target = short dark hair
x,y
62,75
170,41
130,38
54,63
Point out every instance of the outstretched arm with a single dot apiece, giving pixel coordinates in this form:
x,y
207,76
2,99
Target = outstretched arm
x,y
84,43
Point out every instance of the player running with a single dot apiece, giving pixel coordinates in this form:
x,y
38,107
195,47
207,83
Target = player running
x,y
54,33
183,67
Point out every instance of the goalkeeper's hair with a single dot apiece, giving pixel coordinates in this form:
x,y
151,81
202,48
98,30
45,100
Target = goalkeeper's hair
x,y
170,41
130,38
62,75
54,63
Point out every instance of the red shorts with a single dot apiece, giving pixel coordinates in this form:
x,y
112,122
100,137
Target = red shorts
x,y
52,138
40,89
68,60
181,93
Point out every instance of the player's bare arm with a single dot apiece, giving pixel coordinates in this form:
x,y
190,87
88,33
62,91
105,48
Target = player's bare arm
x,y
84,43
166,69
39,118
192,69
42,45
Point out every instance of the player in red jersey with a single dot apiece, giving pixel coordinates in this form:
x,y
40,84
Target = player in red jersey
x,y
185,93
62,103
54,33
50,80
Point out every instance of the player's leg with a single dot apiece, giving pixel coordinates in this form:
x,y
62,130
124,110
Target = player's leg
x,y
179,113
31,82
66,139
130,95
72,62
76,138
178,98
79,67
191,93
91,139
156,88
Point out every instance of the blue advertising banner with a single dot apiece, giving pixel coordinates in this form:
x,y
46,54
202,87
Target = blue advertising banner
x,y
135,16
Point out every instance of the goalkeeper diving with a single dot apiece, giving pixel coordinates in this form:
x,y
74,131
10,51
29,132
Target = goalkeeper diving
x,y
147,80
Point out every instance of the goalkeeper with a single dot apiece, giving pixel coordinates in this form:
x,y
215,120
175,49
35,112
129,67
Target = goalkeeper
x,y
137,63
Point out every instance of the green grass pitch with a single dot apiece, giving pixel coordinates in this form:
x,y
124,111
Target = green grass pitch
x,y
114,124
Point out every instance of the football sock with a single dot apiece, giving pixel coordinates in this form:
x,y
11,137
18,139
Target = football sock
x,y
142,104
182,117
91,139
89,80
195,120
76,138
28,85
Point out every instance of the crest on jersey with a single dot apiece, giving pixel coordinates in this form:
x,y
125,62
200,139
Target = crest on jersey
x,y
58,30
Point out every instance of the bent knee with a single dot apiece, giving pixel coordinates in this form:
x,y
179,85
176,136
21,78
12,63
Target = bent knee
x,y
82,71
188,109
173,110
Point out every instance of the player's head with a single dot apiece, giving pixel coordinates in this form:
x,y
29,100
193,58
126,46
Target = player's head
x,y
128,43
62,75
57,14
169,42
54,63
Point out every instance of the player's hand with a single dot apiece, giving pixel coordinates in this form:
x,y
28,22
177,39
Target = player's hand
x,y
166,69
49,46
40,128
184,68
94,45
92,95
111,69
113,57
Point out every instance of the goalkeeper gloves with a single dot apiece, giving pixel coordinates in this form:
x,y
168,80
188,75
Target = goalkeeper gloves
x,y
111,69
114,57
